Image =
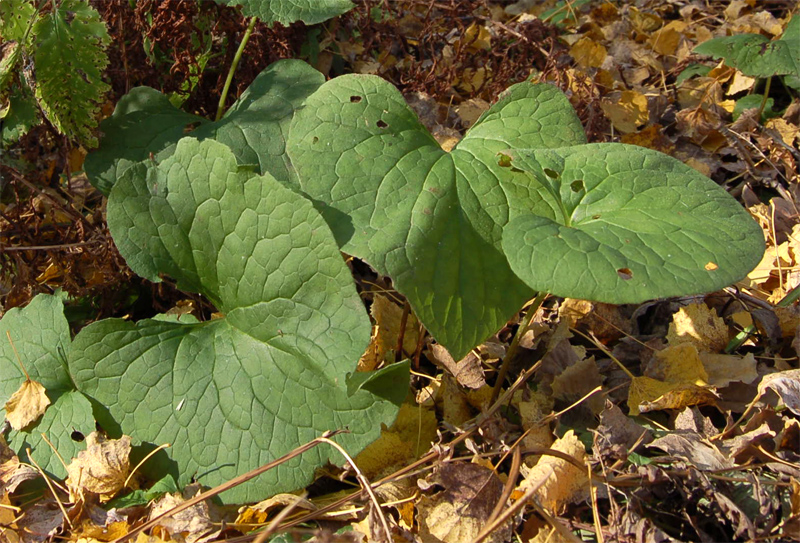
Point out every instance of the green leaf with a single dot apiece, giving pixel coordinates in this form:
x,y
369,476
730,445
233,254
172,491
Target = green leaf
x,y
623,224
254,127
755,55
287,12
15,16
70,58
753,101
40,334
22,115
237,392
431,220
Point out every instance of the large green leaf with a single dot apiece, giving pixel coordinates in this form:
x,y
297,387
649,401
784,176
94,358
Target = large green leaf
x,y
70,58
234,393
15,16
255,127
286,12
622,224
755,55
40,335
431,220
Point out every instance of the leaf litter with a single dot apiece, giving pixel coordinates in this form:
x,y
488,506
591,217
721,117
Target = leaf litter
x,y
691,404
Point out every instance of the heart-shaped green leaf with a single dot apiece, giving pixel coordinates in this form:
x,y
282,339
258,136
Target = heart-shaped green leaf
x,y
622,224
431,220
287,12
234,393
40,336
755,55
145,123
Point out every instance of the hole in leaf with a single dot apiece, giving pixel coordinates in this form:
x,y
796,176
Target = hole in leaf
x,y
504,161
77,436
381,124
552,174
595,217
711,266
315,139
355,99
625,274
577,186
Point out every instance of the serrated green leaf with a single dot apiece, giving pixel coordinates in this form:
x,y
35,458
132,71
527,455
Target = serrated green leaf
x,y
234,393
70,58
254,127
431,220
40,334
623,224
15,16
287,12
755,55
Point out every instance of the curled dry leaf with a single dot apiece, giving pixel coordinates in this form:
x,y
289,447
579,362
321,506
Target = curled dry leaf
x,y
26,405
786,384
564,482
41,522
694,449
258,513
102,468
191,525
467,371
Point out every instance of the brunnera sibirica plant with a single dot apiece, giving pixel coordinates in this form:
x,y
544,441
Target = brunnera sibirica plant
x,y
253,210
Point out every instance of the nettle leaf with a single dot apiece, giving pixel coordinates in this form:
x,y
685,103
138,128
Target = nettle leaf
x,y
255,127
755,55
234,393
431,220
40,335
70,58
623,224
287,12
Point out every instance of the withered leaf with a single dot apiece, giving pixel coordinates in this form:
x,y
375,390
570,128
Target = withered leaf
x,y
26,405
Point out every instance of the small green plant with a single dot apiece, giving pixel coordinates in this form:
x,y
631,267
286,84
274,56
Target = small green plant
x,y
756,56
52,63
252,210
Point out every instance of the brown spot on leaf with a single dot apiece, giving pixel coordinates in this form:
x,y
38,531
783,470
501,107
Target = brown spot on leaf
x,y
625,274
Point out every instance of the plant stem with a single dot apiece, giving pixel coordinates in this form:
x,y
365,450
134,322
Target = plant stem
x,y
512,349
236,58
764,99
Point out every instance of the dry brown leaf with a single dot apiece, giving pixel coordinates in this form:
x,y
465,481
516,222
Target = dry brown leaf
x,y
386,333
102,468
531,413
606,321
190,525
8,528
26,405
701,453
459,511
13,473
40,522
468,371
577,381
626,110
786,384
724,369
699,325
470,111
617,433
562,482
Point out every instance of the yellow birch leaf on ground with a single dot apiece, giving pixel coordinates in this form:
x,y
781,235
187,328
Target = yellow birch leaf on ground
x,y
665,41
531,413
468,371
259,513
740,83
788,132
388,319
102,468
626,111
26,405
788,319
678,364
564,482
645,389
477,38
786,384
470,110
724,369
700,326
408,438
8,528
588,53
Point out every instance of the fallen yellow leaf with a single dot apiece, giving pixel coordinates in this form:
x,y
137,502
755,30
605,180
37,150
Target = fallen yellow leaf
x,y
26,405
